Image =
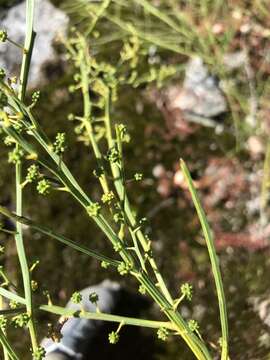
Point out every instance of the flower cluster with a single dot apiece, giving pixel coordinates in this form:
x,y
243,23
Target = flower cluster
x,y
93,297
162,334
142,290
93,209
39,354
21,320
123,268
3,322
76,297
113,337
186,290
34,285
117,246
32,173
138,176
113,155
35,97
108,197
105,264
3,36
8,140
44,187
193,325
59,145
15,156
118,217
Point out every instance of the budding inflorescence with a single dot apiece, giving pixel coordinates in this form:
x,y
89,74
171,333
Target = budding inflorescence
x,y
44,187
138,176
21,320
193,325
15,156
162,334
32,173
3,36
93,298
93,209
142,289
59,145
105,264
108,197
76,297
123,268
3,322
113,155
113,337
186,290
39,353
35,97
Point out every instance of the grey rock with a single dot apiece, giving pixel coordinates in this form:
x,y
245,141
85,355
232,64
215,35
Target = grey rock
x,y
49,24
200,94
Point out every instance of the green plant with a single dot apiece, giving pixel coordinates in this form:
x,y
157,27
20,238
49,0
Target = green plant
x,y
112,213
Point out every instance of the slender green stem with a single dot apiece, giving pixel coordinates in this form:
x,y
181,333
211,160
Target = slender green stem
x,y
28,46
106,317
120,190
213,258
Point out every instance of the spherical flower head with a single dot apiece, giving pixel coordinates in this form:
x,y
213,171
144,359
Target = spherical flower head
x,y
138,176
44,187
123,268
15,156
35,96
118,218
71,117
113,337
8,140
162,334
93,297
142,290
193,325
105,264
18,126
117,246
3,36
21,320
39,354
34,285
76,297
13,304
113,155
186,290
93,209
108,197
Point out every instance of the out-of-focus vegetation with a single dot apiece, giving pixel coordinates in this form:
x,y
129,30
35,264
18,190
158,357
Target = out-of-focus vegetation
x,y
149,47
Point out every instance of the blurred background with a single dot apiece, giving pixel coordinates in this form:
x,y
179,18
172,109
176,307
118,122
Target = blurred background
x,y
194,84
